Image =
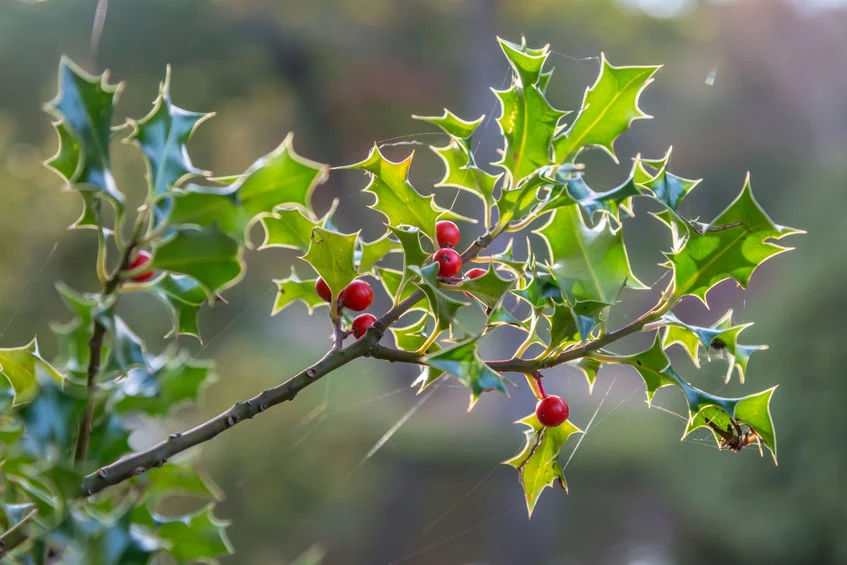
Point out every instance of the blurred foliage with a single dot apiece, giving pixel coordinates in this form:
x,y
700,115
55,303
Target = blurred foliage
x,y
341,73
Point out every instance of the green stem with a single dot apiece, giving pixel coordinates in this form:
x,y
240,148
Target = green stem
x,y
95,348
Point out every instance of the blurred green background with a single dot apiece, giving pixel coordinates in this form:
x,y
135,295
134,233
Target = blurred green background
x,y
344,73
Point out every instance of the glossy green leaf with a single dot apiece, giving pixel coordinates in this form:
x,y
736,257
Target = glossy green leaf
x,y
610,201
538,462
462,172
183,296
391,281
720,339
526,62
725,416
205,206
452,124
488,288
207,254
539,291
292,289
666,187
47,415
563,329
24,367
411,336
126,348
609,106
166,384
516,203
755,411
527,122
589,368
280,177
442,306
588,263
654,367
372,252
84,107
163,135
180,478
331,255
196,537
463,362
732,246
289,229
396,198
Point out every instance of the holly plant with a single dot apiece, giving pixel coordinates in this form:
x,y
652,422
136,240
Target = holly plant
x,y
74,490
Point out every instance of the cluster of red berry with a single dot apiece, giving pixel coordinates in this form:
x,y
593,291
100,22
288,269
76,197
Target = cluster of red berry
x,y
450,262
356,296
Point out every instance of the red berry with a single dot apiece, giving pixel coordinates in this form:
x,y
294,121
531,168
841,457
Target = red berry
x,y
141,258
552,411
357,296
447,234
475,272
361,324
323,289
449,262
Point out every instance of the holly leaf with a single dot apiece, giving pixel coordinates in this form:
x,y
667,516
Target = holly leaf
x,y
453,125
396,198
280,177
611,201
733,246
721,338
289,229
170,381
588,367
527,120
443,307
182,478
609,106
526,62
539,291
666,187
73,336
721,415
24,367
488,288
195,537
204,206
538,462
374,251
563,329
394,285
654,367
460,168
183,296
413,255
331,255
463,362
207,254
514,204
126,348
461,172
163,135
587,263
292,289
46,418
83,107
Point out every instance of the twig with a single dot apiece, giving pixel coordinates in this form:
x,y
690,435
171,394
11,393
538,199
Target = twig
x,y
14,536
157,455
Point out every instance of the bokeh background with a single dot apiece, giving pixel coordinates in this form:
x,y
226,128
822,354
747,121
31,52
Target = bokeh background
x,y
758,85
